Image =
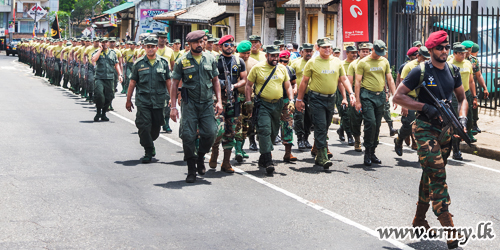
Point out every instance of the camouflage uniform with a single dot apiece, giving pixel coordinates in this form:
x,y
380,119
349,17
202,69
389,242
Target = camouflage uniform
x,y
242,126
286,124
475,68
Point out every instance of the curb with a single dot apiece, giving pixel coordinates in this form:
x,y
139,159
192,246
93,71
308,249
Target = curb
x,y
481,151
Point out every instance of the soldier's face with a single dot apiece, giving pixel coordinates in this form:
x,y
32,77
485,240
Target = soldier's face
x,y
352,55
96,44
307,54
325,51
469,51
459,56
162,40
363,53
177,46
256,46
197,47
336,54
151,50
245,55
112,44
440,55
272,59
104,45
210,46
228,48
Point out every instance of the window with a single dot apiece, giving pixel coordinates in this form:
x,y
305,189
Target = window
x,y
2,23
26,27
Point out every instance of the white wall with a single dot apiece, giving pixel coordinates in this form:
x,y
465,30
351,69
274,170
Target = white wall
x,y
321,24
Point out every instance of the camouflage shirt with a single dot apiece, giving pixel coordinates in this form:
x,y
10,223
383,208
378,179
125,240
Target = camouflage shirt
x,y
475,64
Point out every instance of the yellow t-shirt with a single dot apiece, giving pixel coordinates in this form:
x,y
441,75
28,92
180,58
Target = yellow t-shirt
x,y
450,58
57,50
166,52
177,54
351,71
373,72
324,74
128,55
89,51
261,56
66,51
83,51
118,53
76,53
406,70
465,71
274,88
298,66
197,58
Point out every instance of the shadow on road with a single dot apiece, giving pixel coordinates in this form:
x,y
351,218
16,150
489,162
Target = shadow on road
x,y
175,163
182,183
373,167
404,163
134,162
317,170
427,244
92,121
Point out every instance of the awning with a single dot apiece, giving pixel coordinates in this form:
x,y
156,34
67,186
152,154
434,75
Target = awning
x,y
309,3
206,12
120,8
170,16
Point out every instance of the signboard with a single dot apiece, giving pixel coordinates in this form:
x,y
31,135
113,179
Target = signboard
x,y
2,32
176,5
37,12
410,5
348,44
355,20
147,24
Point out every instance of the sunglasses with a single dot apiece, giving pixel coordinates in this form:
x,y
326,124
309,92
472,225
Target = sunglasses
x,y
228,45
441,47
284,61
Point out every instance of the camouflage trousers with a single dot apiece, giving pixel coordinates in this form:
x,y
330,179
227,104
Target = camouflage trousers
x,y
243,119
227,125
286,124
433,157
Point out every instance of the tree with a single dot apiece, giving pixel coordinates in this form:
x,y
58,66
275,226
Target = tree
x,y
83,10
67,5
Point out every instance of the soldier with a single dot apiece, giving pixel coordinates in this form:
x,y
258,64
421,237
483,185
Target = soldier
x,y
433,142
345,123
246,127
83,68
168,54
65,64
112,46
286,123
356,117
322,75
57,63
472,49
128,55
199,75
106,62
408,116
235,68
270,79
280,44
90,69
256,52
75,54
209,47
177,50
417,44
151,76
336,52
371,74
302,119
187,48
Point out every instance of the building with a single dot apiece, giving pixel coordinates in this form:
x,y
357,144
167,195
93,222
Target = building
x,y
24,23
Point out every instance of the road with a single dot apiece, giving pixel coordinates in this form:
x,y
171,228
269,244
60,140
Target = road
x,y
69,182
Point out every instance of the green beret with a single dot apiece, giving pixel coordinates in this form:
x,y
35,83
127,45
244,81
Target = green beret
x,y
194,36
475,48
468,44
162,34
244,46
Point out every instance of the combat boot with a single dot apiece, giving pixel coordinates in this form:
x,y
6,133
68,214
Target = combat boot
x,y
300,142
329,154
261,163
446,221
104,118
277,140
226,165
368,157
322,159
471,136
111,107
373,157
98,115
191,177
213,158
148,156
237,151
314,150
306,142
419,220
392,131
268,163
475,129
350,140
245,155
201,164
357,144
288,154
398,146
253,144
457,155
166,127
340,132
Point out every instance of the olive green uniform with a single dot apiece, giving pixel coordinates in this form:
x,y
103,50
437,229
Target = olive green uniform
x,y
104,75
150,98
197,102
355,117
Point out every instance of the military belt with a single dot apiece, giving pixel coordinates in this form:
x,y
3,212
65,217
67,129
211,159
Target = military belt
x,y
270,101
372,92
319,94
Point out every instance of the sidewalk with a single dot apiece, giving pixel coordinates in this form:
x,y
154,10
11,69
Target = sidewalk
x,y
488,142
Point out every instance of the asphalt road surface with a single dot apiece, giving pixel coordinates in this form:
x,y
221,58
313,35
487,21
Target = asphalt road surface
x,y
67,182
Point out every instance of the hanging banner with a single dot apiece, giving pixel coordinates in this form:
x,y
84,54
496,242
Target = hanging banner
x,y
243,12
355,20
147,24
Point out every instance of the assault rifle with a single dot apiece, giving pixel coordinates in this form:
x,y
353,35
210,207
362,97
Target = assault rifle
x,y
228,85
449,116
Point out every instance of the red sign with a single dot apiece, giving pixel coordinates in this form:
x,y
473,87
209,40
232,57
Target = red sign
x,y
355,20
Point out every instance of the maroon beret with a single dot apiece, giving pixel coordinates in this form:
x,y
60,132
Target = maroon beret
x,y
225,39
436,38
285,54
412,51
194,36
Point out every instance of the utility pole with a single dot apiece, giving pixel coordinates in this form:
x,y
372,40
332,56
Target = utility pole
x,y
303,21
249,26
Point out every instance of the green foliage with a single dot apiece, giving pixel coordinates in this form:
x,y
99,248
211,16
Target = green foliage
x,y
67,5
83,10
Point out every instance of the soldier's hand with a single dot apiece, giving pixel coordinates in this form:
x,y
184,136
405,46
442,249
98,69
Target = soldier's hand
x,y
474,103
358,107
353,100
174,114
404,112
129,106
219,107
291,107
249,107
344,102
120,78
299,106
486,94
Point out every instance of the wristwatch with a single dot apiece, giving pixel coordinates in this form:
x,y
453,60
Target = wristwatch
x,y
476,96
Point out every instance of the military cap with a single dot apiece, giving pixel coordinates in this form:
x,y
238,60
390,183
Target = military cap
x,y
457,43
417,43
194,36
468,44
364,46
130,42
112,39
150,40
210,38
423,51
217,40
254,38
322,42
459,48
336,50
278,42
68,44
412,51
226,38
272,49
380,47
244,46
307,46
186,44
300,48
351,48
177,40
436,38
162,34
475,48
103,39
170,44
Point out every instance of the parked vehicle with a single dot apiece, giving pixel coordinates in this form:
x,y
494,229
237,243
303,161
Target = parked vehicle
x,y
11,48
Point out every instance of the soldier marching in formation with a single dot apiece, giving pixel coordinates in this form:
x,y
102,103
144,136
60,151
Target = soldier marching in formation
x,y
227,92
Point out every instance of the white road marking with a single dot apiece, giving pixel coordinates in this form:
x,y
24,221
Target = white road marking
x,y
450,159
